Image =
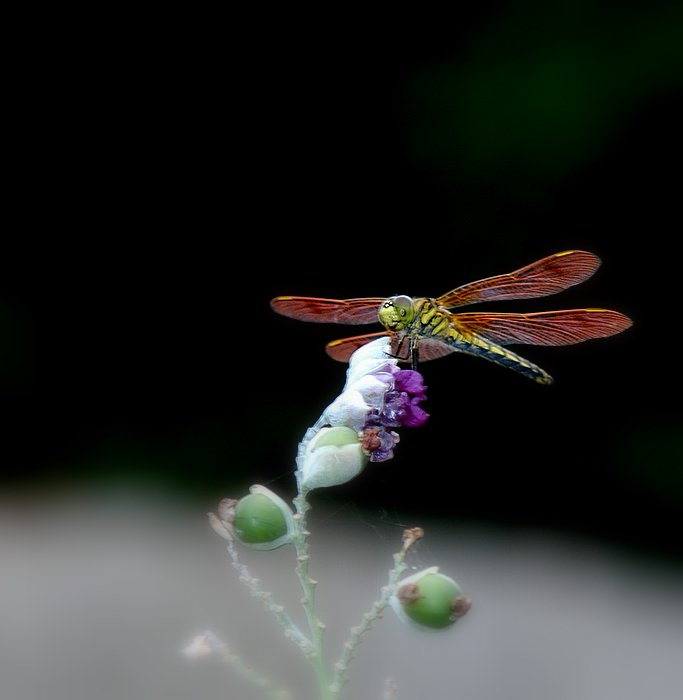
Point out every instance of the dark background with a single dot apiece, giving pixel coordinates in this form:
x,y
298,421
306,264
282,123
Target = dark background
x,y
176,173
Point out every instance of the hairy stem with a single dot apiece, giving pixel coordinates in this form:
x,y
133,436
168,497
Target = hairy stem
x,y
410,537
308,584
291,630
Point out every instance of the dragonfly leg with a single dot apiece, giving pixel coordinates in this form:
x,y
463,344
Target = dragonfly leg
x,y
399,349
414,354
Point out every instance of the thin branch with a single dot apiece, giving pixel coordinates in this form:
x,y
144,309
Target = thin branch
x,y
208,642
410,537
291,630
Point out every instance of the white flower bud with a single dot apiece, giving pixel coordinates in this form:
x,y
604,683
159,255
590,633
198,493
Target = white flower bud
x,y
372,388
364,393
369,358
349,409
334,456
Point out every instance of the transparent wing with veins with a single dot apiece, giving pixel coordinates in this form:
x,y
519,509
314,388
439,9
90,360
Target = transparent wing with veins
x,y
547,276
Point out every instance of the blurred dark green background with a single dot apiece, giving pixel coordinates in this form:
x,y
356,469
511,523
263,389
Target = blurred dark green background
x,y
176,173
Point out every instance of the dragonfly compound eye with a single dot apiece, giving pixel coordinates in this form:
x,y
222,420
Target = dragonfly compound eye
x,y
396,312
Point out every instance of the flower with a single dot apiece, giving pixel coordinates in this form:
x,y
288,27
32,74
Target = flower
x,y
359,424
401,403
202,645
378,442
334,456
378,396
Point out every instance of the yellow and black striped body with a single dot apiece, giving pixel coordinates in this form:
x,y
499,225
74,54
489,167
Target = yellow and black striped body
x,y
426,321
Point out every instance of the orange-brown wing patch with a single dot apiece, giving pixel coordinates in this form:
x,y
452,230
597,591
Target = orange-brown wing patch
x,y
543,328
343,349
433,349
428,349
547,276
351,311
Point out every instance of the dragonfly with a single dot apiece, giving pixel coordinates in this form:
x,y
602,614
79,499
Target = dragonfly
x,y
426,328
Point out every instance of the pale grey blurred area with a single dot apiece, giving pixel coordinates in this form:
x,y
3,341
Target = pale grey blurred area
x,y
100,592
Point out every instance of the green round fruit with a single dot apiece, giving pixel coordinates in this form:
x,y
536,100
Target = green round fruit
x,y
432,600
258,520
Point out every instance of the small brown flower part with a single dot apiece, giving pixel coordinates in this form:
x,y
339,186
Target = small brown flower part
x,y
370,440
408,594
412,535
461,606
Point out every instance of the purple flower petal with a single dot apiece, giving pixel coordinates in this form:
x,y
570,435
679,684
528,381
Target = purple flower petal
x,y
411,381
394,408
400,407
414,416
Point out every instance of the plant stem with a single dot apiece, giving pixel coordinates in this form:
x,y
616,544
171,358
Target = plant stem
x,y
410,537
291,630
254,677
308,585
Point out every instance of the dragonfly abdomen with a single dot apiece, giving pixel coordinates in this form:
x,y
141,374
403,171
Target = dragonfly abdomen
x,y
476,345
433,323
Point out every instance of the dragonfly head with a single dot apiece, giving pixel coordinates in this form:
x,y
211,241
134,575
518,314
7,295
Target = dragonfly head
x,y
396,313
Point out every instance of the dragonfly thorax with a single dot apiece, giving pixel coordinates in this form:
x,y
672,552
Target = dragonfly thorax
x,y
397,313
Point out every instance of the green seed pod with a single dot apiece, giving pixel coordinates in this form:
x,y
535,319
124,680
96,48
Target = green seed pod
x,y
261,520
334,456
430,600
